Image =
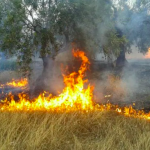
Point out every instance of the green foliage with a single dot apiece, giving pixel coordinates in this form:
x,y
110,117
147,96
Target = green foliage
x,y
114,44
29,26
135,23
87,24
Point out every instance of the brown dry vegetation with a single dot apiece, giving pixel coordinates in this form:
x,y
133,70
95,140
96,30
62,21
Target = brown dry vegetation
x,y
72,131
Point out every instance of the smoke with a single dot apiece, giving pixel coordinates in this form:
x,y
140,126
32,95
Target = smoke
x,y
134,22
135,55
132,83
113,85
117,89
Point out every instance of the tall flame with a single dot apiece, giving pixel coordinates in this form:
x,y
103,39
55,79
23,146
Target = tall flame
x,y
74,96
77,95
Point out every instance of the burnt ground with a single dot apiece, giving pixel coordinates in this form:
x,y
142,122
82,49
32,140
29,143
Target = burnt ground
x,y
129,86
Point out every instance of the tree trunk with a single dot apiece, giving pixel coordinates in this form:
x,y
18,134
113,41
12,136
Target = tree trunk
x,y
48,64
42,82
121,60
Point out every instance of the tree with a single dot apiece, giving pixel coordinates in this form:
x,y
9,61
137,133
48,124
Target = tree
x,y
134,22
43,26
97,30
29,26
141,31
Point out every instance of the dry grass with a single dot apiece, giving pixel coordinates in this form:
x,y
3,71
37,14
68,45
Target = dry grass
x,y
72,131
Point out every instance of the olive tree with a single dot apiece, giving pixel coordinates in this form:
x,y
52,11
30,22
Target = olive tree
x,y
134,22
44,26
29,26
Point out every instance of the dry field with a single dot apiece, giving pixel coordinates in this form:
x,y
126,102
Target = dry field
x,y
72,131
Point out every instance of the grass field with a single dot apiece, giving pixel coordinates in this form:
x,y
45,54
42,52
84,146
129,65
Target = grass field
x,y
96,130
72,131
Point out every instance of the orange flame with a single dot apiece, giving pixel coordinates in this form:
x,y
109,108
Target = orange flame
x,y
76,96
16,83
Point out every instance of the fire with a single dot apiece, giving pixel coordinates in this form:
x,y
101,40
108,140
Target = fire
x,y
16,83
147,56
76,96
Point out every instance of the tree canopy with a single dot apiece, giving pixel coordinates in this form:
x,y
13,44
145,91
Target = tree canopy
x,y
44,26
134,21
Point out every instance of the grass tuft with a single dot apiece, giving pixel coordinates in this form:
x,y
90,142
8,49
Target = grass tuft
x,y
72,131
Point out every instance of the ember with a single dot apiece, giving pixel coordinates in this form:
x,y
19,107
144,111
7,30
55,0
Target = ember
x,y
76,96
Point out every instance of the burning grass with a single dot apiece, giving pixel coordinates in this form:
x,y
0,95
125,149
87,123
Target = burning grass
x,y
71,120
73,131
20,83
77,95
